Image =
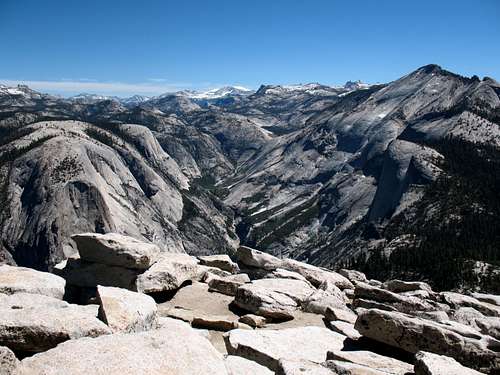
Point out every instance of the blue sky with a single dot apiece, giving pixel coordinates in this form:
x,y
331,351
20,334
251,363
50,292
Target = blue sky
x,y
153,46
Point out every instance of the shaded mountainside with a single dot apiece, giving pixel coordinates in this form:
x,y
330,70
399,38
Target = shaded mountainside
x,y
451,236
316,173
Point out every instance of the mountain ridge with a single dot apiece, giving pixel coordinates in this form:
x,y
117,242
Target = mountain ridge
x,y
301,170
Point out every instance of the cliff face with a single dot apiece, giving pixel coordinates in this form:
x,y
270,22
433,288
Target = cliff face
x,y
82,178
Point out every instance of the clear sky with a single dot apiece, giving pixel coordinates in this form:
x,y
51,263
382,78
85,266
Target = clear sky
x,y
152,46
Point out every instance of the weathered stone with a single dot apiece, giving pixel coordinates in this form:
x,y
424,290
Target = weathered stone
x,y
488,298
372,360
253,320
349,368
354,276
176,349
9,364
255,258
487,325
178,313
26,280
227,285
361,303
214,322
34,323
207,272
344,315
280,273
415,334
376,283
397,301
316,275
116,250
88,274
327,296
435,316
434,364
399,286
294,367
241,366
349,293
273,298
221,261
422,294
241,325
268,347
197,298
457,300
168,273
344,328
126,311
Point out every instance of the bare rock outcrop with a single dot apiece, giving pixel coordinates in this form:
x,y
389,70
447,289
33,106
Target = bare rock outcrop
x,y
116,250
34,323
26,280
126,311
434,364
273,298
268,347
168,273
176,349
415,334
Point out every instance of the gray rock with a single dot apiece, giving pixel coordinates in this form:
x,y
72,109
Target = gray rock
x,y
9,364
268,347
26,280
168,273
415,334
457,300
327,296
252,320
344,315
372,360
397,301
399,286
221,261
255,258
361,303
280,273
435,316
176,349
207,272
116,250
227,285
434,364
344,328
316,275
241,366
196,300
273,298
126,311
488,298
349,368
294,367
487,325
89,274
353,275
34,323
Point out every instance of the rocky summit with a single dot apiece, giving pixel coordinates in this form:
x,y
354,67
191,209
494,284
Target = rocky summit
x,y
251,313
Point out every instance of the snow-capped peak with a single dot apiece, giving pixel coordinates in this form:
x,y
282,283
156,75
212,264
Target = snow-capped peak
x,y
355,85
216,93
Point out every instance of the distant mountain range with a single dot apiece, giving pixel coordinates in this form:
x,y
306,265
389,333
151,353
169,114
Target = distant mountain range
x,y
327,175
